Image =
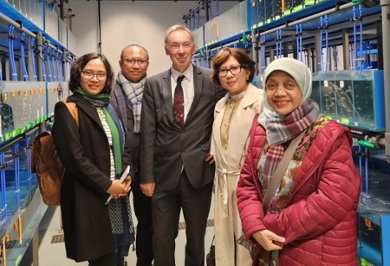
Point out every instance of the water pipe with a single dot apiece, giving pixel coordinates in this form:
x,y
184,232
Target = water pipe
x,y
361,37
11,39
32,56
354,37
326,44
48,62
300,42
16,172
321,56
297,39
22,55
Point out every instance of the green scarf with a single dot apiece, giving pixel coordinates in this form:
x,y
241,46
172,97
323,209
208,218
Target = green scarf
x,y
103,99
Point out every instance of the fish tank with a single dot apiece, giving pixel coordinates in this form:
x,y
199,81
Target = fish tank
x,y
298,5
277,10
261,15
23,105
257,13
288,7
352,98
269,11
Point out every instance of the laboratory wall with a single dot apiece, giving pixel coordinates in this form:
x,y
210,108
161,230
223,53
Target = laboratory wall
x,y
127,22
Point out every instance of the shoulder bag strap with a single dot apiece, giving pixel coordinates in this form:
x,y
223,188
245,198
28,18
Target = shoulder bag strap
x,y
280,171
72,107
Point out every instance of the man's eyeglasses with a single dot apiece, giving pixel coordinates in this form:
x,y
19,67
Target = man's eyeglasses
x,y
233,69
89,75
131,61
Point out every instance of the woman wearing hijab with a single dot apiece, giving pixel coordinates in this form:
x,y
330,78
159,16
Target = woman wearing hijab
x,y
233,115
311,219
94,153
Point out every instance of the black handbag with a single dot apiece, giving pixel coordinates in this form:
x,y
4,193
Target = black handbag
x,y
210,257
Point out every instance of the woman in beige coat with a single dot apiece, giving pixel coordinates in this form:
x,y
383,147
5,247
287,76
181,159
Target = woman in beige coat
x,y
233,116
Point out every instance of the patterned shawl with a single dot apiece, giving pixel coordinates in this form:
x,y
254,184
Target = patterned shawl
x,y
134,92
281,129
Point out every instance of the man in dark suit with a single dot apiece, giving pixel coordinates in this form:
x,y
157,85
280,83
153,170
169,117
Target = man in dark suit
x,y
176,168
127,94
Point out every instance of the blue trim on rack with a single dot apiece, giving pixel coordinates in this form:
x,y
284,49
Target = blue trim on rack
x,y
13,14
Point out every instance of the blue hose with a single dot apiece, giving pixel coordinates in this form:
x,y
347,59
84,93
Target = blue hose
x,y
11,38
60,67
297,39
53,61
354,37
263,54
48,55
326,44
300,42
361,37
366,168
22,54
3,189
43,65
32,55
17,176
320,52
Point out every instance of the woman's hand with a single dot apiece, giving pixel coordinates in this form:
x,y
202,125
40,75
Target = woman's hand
x,y
127,183
209,158
268,240
118,189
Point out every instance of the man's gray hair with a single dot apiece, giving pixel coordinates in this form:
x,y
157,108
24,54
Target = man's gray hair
x,y
176,28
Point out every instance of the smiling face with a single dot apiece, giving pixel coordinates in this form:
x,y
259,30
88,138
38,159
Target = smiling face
x,y
180,49
134,63
235,80
283,93
95,84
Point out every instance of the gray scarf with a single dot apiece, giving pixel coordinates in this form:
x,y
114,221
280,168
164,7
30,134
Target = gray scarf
x,y
134,92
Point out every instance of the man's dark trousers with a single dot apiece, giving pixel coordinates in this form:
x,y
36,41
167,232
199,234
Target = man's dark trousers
x,y
143,212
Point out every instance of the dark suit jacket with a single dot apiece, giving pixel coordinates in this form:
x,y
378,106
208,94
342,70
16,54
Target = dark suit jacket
x,y
85,153
165,147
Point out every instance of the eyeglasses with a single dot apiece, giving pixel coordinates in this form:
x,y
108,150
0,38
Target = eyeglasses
x,y
131,61
233,69
176,46
89,75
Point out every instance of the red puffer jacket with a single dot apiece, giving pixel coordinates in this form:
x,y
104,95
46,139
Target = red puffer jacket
x,y
319,221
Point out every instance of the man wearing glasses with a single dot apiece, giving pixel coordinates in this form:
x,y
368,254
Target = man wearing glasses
x,y
176,167
127,99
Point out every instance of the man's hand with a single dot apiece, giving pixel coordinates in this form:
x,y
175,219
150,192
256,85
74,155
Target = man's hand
x,y
267,240
209,158
148,188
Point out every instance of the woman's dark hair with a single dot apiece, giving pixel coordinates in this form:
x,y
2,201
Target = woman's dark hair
x,y
78,66
243,59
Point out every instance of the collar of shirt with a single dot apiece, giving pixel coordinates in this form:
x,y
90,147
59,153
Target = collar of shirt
x,y
188,73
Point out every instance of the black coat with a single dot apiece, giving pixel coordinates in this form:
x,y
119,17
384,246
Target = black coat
x,y
84,151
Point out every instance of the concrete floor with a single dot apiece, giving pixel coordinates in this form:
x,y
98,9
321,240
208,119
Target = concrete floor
x,y
53,254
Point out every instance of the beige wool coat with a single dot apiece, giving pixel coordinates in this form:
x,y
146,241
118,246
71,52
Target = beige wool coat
x,y
227,222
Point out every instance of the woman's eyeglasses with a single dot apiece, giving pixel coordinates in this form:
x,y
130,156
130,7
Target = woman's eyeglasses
x,y
233,69
89,75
